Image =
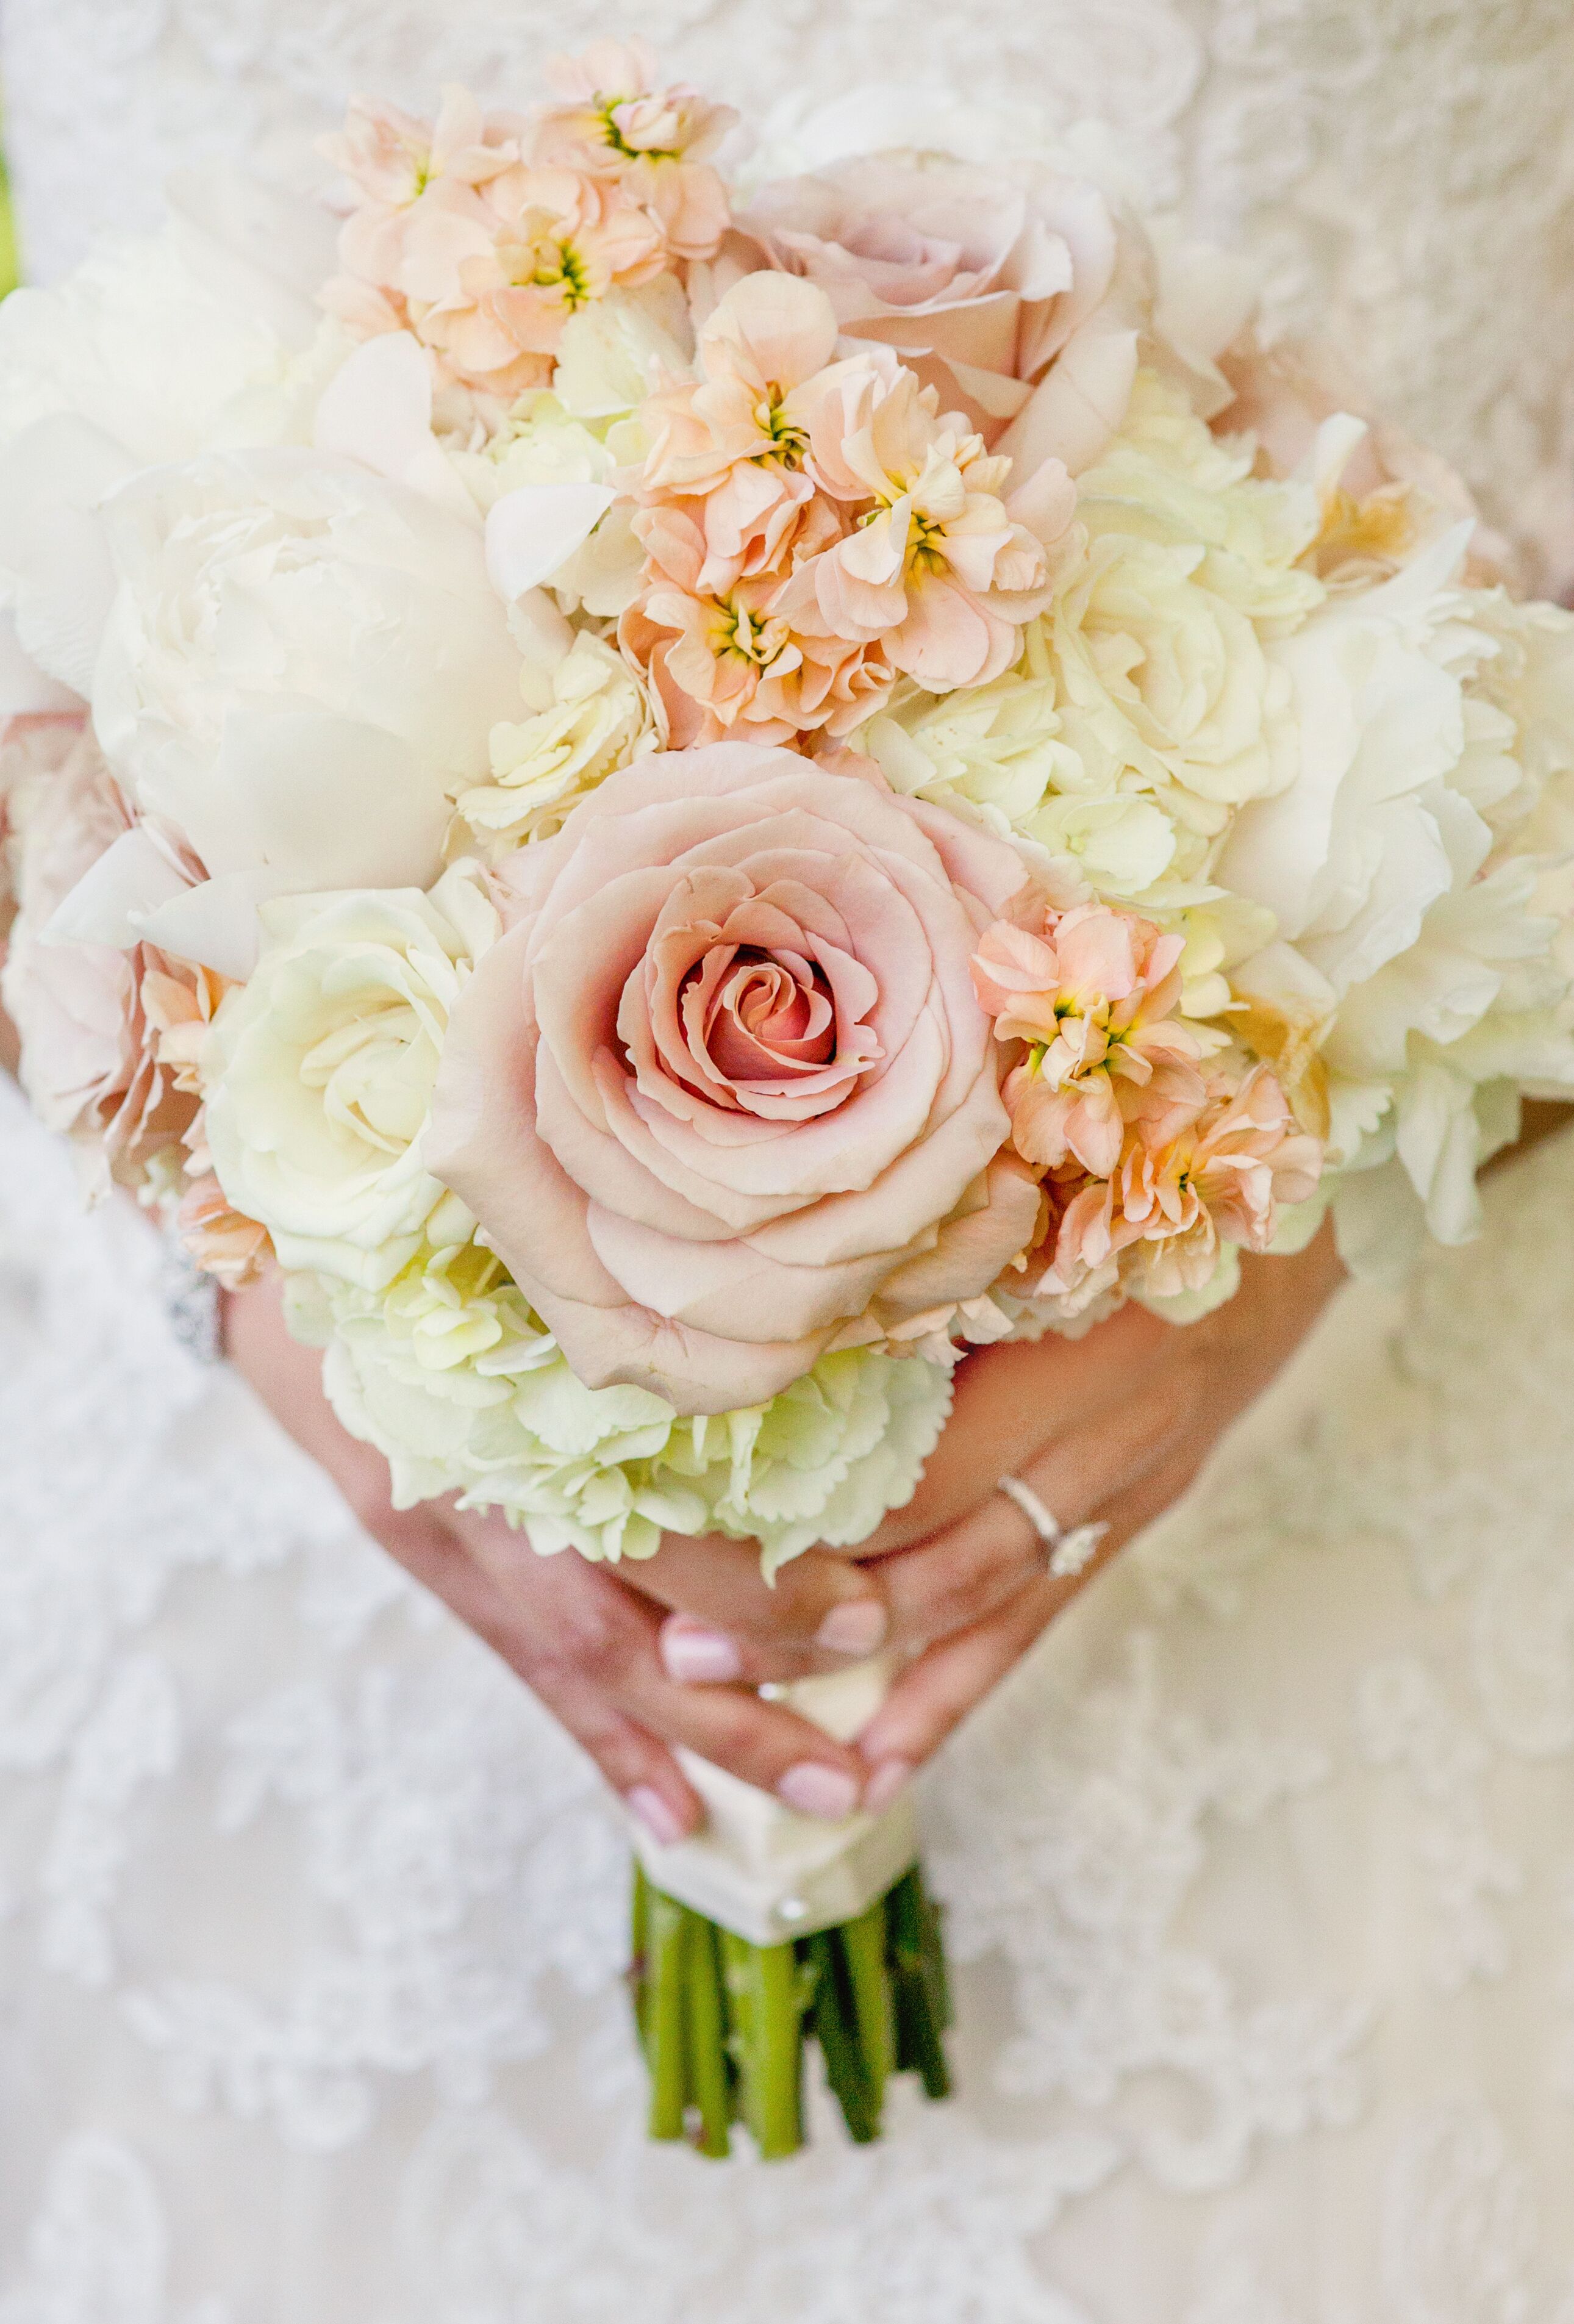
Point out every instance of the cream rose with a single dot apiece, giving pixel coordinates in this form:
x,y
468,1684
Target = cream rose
x,y
722,1098
590,717
320,1071
1158,642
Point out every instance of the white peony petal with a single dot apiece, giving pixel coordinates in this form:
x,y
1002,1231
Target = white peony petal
x,y
377,408
113,899
215,924
55,566
25,691
261,252
1438,1143
533,531
329,802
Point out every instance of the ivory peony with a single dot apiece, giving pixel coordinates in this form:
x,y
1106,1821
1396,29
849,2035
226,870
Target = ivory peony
x,y
1403,928
303,662
723,1097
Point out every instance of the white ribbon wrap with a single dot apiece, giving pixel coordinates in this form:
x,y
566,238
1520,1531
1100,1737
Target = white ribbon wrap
x,y
763,1870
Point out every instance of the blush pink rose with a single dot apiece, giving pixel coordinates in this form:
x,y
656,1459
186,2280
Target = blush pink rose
x,y
723,1097
981,278
88,1055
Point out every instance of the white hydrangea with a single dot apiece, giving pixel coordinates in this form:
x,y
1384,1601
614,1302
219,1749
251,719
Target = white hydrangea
x,y
1146,706
590,715
539,441
450,1375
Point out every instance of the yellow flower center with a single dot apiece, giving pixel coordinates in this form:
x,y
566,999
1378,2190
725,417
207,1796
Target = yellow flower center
x,y
787,441
736,631
547,262
605,109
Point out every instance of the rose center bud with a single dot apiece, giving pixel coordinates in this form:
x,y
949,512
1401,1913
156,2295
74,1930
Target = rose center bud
x,y
741,1004
771,1015
373,1084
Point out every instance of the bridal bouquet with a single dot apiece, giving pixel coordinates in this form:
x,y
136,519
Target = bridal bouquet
x,y
685,785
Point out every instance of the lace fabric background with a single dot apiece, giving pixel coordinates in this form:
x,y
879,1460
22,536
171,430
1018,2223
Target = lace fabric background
x,y
1260,1873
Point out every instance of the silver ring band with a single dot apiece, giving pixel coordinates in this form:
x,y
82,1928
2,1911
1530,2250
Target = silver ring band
x,y
1068,1554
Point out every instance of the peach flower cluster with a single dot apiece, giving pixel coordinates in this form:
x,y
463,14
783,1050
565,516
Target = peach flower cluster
x,y
483,234
658,145
815,527
1151,1159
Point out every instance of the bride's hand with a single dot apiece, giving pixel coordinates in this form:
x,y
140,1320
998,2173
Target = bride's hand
x,y
1109,1429
576,1633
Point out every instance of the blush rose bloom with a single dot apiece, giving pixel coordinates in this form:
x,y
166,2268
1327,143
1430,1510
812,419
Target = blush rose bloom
x,y
89,1061
722,1098
980,277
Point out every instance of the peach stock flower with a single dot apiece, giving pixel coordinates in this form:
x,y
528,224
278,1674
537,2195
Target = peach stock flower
x,y
220,1240
463,237
180,1001
735,447
1094,998
738,663
1156,1225
722,1097
554,240
811,529
938,569
615,120
419,212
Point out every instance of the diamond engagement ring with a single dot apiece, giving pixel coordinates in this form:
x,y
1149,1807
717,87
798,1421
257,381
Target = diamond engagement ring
x,y
1069,1554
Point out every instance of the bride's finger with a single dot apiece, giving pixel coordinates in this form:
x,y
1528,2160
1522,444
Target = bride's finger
x,y
984,1560
979,1564
817,1602
585,1633
1011,1401
640,1767
936,1692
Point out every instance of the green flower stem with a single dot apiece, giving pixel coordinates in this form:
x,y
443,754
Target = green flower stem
x,y
723,2022
639,1954
864,1942
706,2030
666,2049
836,2028
923,2001
781,2050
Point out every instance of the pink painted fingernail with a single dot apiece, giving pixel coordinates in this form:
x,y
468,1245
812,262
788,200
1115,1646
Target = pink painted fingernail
x,y
659,1817
818,1791
698,1657
888,1782
857,1627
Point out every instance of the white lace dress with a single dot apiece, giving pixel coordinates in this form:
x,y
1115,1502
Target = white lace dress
x,y
1261,1874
